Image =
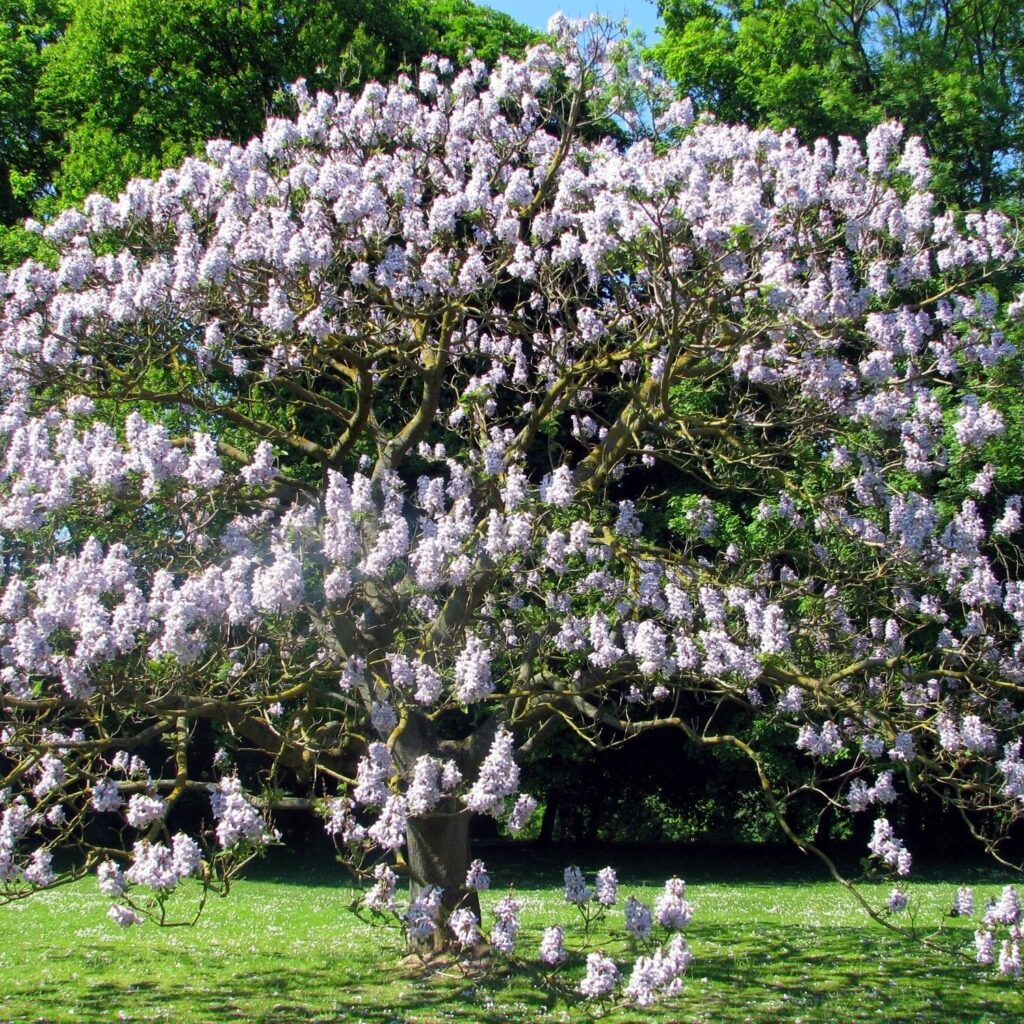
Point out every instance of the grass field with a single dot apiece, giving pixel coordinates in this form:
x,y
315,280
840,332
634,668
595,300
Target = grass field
x,y
771,941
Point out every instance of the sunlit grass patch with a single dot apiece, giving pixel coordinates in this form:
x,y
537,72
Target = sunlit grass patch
x,y
284,948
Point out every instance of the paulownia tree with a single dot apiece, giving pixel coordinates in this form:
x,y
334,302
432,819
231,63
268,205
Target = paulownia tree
x,y
354,446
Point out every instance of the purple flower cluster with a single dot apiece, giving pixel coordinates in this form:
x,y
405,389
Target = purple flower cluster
x,y
465,927
473,671
498,778
506,924
521,813
888,848
238,821
422,915
389,830
671,910
1002,913
155,865
477,878
552,946
143,810
341,821
576,889
373,774
106,796
639,919
659,975
606,888
601,978
381,896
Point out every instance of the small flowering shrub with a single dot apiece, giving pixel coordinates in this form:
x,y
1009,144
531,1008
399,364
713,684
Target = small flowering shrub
x,y
645,961
348,449
1000,929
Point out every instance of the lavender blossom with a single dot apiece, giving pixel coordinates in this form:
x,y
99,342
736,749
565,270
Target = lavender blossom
x,y
521,813
888,848
477,879
639,919
421,917
607,887
381,896
1009,958
552,946
659,975
498,778
506,925
897,901
963,904
671,910
110,879
106,796
40,868
388,831
237,820
558,488
341,821
576,889
144,810
473,671
464,926
601,978
123,916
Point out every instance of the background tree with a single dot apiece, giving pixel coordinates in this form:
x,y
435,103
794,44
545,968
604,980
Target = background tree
x,y
951,72
350,450
133,87
28,27
94,93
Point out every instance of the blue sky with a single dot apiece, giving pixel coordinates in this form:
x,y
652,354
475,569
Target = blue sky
x,y
641,13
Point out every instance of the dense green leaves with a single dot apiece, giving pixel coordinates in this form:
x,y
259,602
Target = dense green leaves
x,y
455,26
134,85
26,28
952,72
93,92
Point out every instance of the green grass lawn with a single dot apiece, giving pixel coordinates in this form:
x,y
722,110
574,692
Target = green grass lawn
x,y
771,942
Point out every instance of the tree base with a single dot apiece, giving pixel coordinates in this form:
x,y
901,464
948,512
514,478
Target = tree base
x,y
429,962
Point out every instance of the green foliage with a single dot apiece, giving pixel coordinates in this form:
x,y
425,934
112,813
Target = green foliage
x,y
695,395
457,27
27,27
685,519
135,85
952,72
758,62
93,92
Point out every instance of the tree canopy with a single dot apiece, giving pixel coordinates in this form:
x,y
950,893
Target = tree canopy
x,y
28,28
951,72
345,468
95,92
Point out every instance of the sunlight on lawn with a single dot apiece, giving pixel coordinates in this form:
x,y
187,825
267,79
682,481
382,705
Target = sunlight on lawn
x,y
285,948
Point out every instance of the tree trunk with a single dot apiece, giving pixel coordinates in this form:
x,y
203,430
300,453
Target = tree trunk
x,y
439,854
438,843
547,825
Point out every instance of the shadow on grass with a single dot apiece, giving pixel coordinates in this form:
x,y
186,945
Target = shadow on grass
x,y
292,992
288,960
740,973
529,866
848,974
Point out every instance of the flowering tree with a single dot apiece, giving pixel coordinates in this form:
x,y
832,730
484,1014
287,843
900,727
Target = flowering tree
x,y
351,446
